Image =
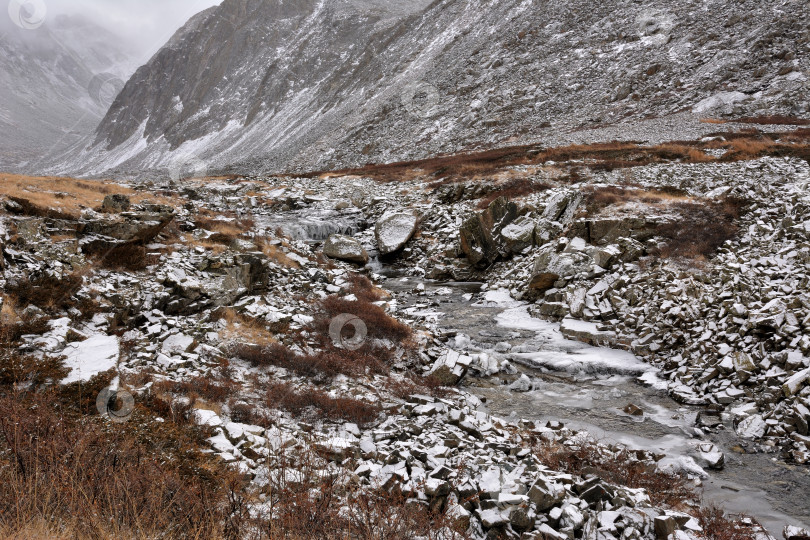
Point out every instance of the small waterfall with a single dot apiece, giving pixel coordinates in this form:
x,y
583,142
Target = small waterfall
x,y
315,227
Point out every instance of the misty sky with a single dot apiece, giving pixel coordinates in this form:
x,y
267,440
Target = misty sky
x,y
147,23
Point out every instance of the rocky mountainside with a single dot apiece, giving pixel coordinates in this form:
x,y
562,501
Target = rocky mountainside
x,y
310,85
57,82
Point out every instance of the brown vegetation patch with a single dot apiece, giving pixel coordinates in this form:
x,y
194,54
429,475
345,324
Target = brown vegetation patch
x,y
619,468
364,290
132,256
49,293
243,328
318,366
513,189
410,385
64,198
379,324
717,525
597,198
775,120
303,401
75,478
701,229
486,165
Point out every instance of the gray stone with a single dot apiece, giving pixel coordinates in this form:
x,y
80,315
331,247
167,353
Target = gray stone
x,y
519,234
115,204
393,231
664,527
545,495
345,248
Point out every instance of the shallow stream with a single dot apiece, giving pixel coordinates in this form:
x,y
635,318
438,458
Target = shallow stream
x,y
588,387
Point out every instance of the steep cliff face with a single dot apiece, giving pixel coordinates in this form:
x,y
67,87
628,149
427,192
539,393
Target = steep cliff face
x,y
57,81
272,85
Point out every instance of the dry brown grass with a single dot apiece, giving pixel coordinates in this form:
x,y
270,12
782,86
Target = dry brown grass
x,y
312,402
364,290
620,468
599,198
50,293
275,253
130,256
776,120
58,197
379,324
718,526
70,473
701,229
240,327
492,164
513,189
208,245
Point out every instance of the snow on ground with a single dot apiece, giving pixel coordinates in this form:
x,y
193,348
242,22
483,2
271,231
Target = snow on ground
x,y
555,352
90,357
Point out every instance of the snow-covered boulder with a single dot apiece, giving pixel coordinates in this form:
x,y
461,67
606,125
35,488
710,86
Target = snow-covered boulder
x,y
345,248
394,230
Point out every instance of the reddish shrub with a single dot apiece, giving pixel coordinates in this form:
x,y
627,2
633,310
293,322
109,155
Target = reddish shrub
x,y
717,526
48,292
701,230
512,189
130,256
378,323
620,468
362,288
299,401
74,477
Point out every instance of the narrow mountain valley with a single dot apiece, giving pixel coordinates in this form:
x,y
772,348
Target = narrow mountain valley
x,y
389,270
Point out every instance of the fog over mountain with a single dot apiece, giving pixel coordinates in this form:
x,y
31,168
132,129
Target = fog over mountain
x,y
63,63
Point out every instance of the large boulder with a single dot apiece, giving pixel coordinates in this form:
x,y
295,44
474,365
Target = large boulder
x,y
562,207
550,266
115,204
109,230
481,235
394,230
477,242
345,248
519,234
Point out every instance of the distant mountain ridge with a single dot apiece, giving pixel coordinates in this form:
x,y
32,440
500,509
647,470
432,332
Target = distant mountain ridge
x,y
57,82
278,85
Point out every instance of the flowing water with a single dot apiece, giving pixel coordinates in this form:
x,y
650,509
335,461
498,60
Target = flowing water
x,y
584,387
588,387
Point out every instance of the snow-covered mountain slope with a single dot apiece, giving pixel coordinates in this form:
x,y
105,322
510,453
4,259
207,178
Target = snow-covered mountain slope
x,y
272,85
57,81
